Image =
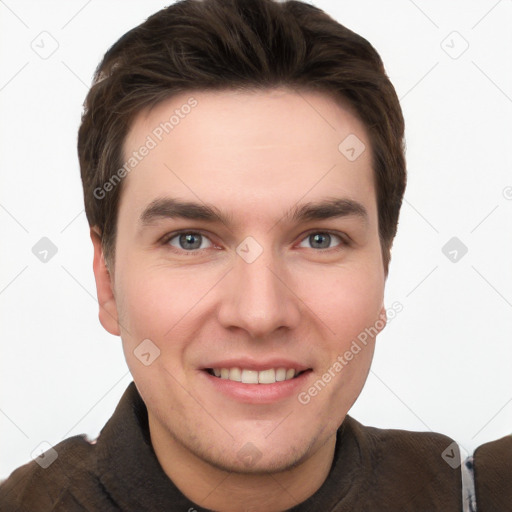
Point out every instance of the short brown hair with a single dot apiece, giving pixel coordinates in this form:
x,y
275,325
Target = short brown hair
x,y
237,44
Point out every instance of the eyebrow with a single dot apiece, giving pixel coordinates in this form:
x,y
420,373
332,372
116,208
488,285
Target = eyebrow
x,y
172,208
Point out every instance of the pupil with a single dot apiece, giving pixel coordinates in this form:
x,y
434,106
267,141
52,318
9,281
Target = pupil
x,y
319,237
187,241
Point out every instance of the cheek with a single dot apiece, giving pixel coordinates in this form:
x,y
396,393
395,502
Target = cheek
x,y
167,307
347,303
153,301
152,307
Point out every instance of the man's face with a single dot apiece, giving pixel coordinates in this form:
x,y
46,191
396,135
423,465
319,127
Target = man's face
x,y
264,289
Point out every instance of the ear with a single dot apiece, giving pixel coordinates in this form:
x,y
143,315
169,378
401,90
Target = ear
x,y
104,287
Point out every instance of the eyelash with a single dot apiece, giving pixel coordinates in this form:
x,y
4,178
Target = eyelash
x,y
167,238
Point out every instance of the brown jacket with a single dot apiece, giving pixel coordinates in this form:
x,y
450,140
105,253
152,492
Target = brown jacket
x,y
373,470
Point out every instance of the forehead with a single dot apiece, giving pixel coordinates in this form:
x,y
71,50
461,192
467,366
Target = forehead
x,y
248,149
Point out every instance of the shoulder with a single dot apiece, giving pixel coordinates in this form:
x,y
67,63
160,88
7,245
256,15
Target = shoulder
x,y
416,470
493,473
425,449
49,482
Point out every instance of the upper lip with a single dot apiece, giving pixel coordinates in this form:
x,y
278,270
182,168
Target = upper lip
x,y
257,365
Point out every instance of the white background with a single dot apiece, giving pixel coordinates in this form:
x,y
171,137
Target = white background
x,y
443,364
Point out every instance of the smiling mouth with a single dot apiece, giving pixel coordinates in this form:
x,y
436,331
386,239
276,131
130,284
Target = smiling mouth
x,y
270,376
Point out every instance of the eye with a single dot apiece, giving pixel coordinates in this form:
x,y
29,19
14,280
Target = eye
x,y
188,241
322,240
193,241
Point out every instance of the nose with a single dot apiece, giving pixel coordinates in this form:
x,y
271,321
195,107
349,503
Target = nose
x,y
258,297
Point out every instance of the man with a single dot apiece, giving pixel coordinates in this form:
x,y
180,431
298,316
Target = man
x,y
243,171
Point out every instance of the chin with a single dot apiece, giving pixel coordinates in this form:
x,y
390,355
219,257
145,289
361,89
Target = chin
x,y
250,460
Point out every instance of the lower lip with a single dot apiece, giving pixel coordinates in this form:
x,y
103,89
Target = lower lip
x,y
258,393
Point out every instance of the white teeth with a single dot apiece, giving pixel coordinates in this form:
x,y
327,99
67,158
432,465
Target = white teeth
x,y
280,374
290,374
269,376
235,374
249,376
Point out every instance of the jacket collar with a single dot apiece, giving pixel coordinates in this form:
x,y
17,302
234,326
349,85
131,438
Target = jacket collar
x,y
133,478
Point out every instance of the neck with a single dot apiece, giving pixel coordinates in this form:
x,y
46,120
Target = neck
x,y
213,488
